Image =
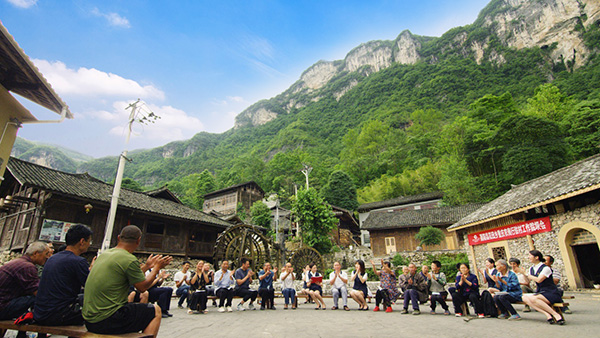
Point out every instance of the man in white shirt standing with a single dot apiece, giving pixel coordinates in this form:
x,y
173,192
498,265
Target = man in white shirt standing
x,y
338,280
182,282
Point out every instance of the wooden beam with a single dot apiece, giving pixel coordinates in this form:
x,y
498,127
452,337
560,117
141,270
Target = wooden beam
x,y
530,242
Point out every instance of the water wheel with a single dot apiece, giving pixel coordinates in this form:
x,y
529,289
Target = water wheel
x,y
242,241
304,256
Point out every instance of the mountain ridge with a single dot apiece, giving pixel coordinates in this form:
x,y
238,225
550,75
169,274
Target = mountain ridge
x,y
309,121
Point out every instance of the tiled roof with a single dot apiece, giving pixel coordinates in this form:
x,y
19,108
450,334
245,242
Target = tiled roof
x,y
401,200
163,192
19,75
231,188
88,187
380,220
574,179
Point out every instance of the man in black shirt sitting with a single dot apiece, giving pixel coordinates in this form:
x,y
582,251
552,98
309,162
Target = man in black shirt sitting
x,y
60,296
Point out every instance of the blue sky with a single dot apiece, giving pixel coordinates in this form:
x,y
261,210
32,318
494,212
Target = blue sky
x,y
197,64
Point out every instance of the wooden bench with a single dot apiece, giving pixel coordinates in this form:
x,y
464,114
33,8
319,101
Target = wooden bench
x,y
69,331
556,306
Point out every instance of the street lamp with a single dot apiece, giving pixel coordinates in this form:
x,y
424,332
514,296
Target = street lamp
x,y
114,201
306,171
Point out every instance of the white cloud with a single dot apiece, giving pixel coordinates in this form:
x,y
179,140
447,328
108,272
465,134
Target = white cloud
x,y
90,82
229,100
236,98
174,124
23,3
258,52
223,121
114,19
259,47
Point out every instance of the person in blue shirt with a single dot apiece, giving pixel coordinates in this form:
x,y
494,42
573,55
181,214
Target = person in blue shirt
x,y
60,297
467,288
506,291
265,287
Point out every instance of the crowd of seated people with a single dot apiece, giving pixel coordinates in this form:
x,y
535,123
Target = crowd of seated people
x,y
116,295
505,284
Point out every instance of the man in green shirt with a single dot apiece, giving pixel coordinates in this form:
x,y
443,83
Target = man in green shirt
x,y
105,306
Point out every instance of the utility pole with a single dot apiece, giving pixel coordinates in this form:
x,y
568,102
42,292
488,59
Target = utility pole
x,y
277,235
114,201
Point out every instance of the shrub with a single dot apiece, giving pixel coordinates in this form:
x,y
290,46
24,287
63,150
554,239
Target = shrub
x,y
399,261
430,236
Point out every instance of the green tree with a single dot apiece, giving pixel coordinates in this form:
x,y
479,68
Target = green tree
x,y
430,236
261,214
241,212
423,133
457,183
364,155
548,102
340,191
493,109
131,184
409,182
532,146
191,188
316,219
583,129
205,183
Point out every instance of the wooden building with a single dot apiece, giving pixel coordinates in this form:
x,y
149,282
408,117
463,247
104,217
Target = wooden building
x,y
348,231
393,231
225,201
558,214
413,202
41,203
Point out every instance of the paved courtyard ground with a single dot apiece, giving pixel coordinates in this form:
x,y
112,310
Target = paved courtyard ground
x,y
307,322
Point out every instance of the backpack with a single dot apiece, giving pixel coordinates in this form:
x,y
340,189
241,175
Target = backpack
x,y
488,305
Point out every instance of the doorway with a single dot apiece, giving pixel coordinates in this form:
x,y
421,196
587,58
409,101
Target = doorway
x,y
588,256
390,245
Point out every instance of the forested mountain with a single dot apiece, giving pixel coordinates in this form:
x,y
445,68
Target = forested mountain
x,y
510,97
48,155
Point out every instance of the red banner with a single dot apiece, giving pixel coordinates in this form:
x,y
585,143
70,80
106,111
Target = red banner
x,y
534,226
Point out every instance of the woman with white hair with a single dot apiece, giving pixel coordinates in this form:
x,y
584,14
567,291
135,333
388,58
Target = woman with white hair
x,y
507,291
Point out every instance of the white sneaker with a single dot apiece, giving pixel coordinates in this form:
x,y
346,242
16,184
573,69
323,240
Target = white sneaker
x,y
229,309
222,309
240,307
190,311
251,307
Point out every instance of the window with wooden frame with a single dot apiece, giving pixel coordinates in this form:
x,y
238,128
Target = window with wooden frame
x,y
154,234
390,245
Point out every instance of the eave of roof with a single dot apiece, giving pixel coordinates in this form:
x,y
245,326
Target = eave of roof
x,y
86,187
233,187
401,201
27,80
575,179
384,220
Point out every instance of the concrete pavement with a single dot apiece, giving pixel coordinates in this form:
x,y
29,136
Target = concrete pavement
x,y
307,322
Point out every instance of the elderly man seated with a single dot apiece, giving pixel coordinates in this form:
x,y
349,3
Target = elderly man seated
x,y
19,281
416,287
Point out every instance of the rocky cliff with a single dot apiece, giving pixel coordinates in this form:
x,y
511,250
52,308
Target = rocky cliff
x,y
556,24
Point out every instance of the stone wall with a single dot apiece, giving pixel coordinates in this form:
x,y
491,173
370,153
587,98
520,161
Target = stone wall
x,y
546,242
348,256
